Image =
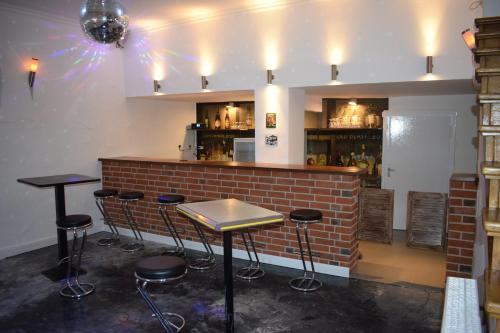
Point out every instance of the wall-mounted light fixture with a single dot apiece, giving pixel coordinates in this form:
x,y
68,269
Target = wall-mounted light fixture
x,y
204,82
32,74
429,65
335,72
469,39
270,76
156,86
352,102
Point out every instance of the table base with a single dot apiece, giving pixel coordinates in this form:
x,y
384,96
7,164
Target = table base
x,y
58,273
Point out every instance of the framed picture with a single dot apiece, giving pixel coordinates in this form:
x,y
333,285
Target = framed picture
x,y
270,120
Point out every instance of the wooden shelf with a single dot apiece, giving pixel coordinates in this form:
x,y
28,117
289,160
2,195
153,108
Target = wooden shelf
x,y
491,221
328,130
224,130
489,98
487,35
488,71
489,129
492,291
491,169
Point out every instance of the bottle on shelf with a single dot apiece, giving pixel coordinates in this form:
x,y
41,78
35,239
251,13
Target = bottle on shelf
x,y
338,159
377,167
249,119
363,162
352,160
217,123
227,124
206,121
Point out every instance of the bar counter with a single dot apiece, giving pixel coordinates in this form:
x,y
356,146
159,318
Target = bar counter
x,y
278,187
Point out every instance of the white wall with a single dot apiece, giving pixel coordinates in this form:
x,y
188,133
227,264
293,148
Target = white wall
x,y
466,130
78,113
491,8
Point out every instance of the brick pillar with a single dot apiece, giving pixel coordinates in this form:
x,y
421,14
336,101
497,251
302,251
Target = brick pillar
x,y
461,225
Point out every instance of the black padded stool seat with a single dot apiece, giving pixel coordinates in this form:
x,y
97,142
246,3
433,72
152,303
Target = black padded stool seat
x,y
105,193
160,267
74,221
131,195
170,198
306,215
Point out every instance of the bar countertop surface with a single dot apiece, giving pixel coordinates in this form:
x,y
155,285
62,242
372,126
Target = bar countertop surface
x,y
351,171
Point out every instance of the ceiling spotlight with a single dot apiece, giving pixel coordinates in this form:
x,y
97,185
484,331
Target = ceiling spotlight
x,y
204,82
335,72
270,76
353,102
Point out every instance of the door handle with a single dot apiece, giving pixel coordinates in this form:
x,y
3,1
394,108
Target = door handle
x,y
389,170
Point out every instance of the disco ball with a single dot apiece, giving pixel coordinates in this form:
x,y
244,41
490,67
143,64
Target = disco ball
x,y
104,21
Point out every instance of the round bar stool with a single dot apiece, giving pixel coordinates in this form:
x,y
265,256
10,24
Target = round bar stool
x,y
125,199
72,287
100,197
253,271
304,217
160,269
164,201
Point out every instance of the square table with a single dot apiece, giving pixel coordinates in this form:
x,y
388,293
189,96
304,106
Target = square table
x,y
224,216
58,182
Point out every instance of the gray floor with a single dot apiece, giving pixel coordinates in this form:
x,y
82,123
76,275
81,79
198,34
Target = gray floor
x,y
30,302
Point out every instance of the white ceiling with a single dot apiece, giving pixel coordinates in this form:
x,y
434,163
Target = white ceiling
x,y
158,14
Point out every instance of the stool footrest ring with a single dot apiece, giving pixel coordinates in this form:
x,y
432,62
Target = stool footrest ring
x,y
132,247
173,319
201,264
76,289
108,241
305,283
252,272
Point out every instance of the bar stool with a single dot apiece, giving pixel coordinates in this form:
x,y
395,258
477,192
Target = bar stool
x,y
72,287
160,269
253,271
207,261
304,217
126,198
164,201
100,196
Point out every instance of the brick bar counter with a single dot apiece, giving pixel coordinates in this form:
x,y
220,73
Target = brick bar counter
x,y
282,188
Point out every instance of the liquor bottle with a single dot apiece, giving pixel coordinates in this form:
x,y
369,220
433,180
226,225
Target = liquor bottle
x,y
338,159
249,119
352,161
206,121
377,167
226,120
363,162
217,122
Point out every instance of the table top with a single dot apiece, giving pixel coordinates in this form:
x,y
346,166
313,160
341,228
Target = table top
x,y
228,214
68,179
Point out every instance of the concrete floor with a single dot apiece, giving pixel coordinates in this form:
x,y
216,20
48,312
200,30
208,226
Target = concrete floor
x,y
30,302
398,263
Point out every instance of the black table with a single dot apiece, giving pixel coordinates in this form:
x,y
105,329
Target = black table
x,y
58,182
225,216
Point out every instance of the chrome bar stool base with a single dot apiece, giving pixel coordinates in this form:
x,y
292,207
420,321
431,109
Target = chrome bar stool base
x,y
108,241
125,198
305,284
164,201
160,269
253,271
77,290
72,287
100,197
132,247
302,218
208,261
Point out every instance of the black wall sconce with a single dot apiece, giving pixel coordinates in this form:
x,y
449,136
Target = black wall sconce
x,y
32,74
204,82
156,86
270,76
429,65
335,72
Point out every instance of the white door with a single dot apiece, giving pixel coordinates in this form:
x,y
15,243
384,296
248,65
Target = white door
x,y
417,155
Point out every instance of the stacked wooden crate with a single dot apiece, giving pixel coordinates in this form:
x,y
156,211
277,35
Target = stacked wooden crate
x,y
488,55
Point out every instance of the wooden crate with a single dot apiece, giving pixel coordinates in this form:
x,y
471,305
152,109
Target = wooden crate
x,y
376,207
426,219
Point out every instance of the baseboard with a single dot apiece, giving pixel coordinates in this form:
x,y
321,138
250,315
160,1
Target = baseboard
x,y
38,244
265,258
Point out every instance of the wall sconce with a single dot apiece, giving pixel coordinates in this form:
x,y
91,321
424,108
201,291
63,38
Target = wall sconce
x,y
469,39
156,86
270,76
204,82
335,72
33,69
429,66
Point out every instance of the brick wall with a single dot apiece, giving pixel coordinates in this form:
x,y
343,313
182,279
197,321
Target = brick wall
x,y
335,195
461,225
